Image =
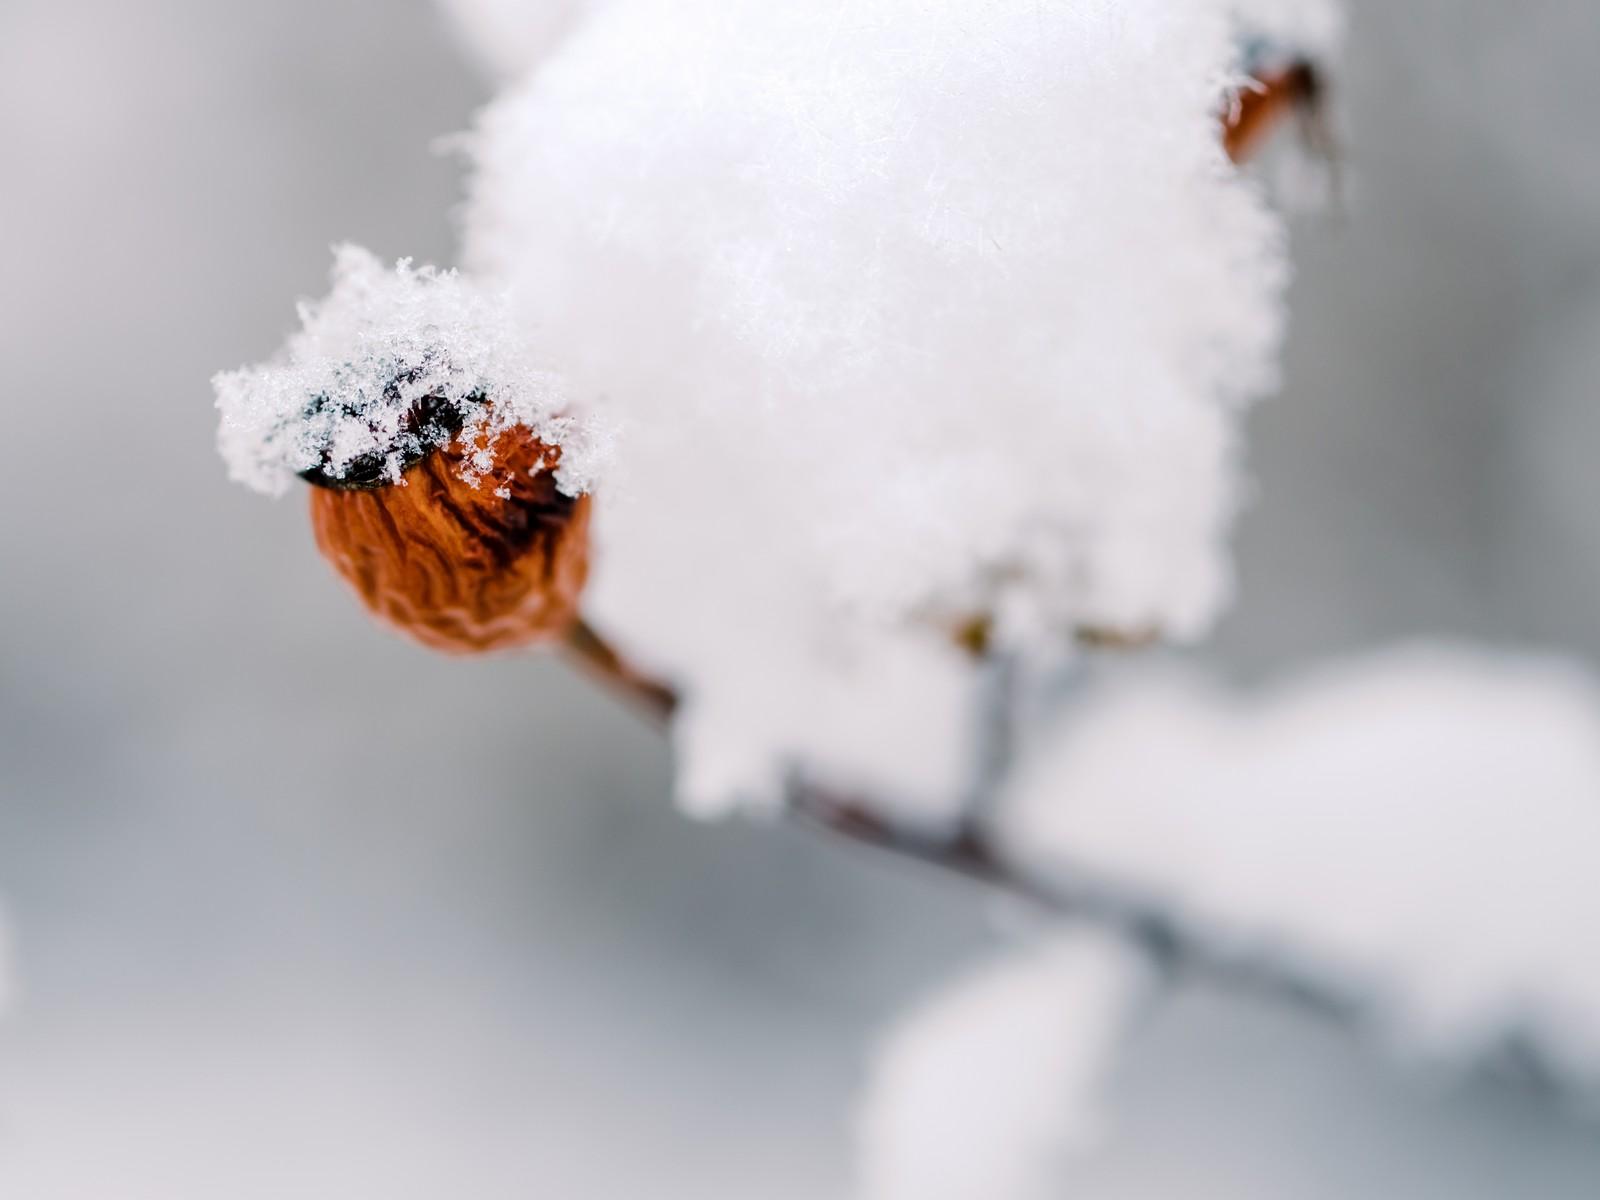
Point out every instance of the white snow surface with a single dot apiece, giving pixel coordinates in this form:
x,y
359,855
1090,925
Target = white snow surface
x,y
988,1088
903,311
345,386
1420,825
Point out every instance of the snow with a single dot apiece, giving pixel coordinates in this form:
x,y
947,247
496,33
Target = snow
x,y
344,395
987,1088
1311,28
890,717
1420,825
509,36
904,313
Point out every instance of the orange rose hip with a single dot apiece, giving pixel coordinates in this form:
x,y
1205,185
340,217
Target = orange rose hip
x,y
461,567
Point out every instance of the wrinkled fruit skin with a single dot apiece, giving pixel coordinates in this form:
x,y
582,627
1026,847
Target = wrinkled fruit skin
x,y
457,567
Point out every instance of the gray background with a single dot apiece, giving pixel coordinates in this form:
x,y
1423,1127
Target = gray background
x,y
301,910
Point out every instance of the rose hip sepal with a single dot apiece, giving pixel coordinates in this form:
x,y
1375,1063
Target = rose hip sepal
x,y
459,564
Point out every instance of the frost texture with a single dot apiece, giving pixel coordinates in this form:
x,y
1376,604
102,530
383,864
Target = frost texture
x,y
985,1091
905,312
389,365
1423,824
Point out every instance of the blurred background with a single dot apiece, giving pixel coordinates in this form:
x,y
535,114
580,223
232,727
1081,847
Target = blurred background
x,y
301,910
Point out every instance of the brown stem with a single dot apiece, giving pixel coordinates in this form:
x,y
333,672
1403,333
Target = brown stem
x,y
1182,948
595,657
971,855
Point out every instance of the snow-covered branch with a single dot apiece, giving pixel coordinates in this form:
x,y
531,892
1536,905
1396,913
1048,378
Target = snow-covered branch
x,y
900,351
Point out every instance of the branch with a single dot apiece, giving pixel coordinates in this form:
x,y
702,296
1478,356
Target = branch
x,y
594,656
971,855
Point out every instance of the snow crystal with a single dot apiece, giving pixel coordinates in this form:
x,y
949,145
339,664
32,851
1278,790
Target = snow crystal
x,y
389,365
1423,825
905,313
986,1089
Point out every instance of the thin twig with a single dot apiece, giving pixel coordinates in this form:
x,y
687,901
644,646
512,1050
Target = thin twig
x,y
969,854
595,657
1183,949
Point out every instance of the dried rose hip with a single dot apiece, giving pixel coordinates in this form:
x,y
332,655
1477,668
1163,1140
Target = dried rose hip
x,y
460,566
1259,108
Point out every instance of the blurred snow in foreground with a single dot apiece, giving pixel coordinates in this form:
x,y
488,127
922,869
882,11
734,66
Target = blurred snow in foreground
x,y
987,1089
1423,823
1419,828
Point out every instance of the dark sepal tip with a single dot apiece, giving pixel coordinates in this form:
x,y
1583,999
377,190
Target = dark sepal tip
x,y
433,421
